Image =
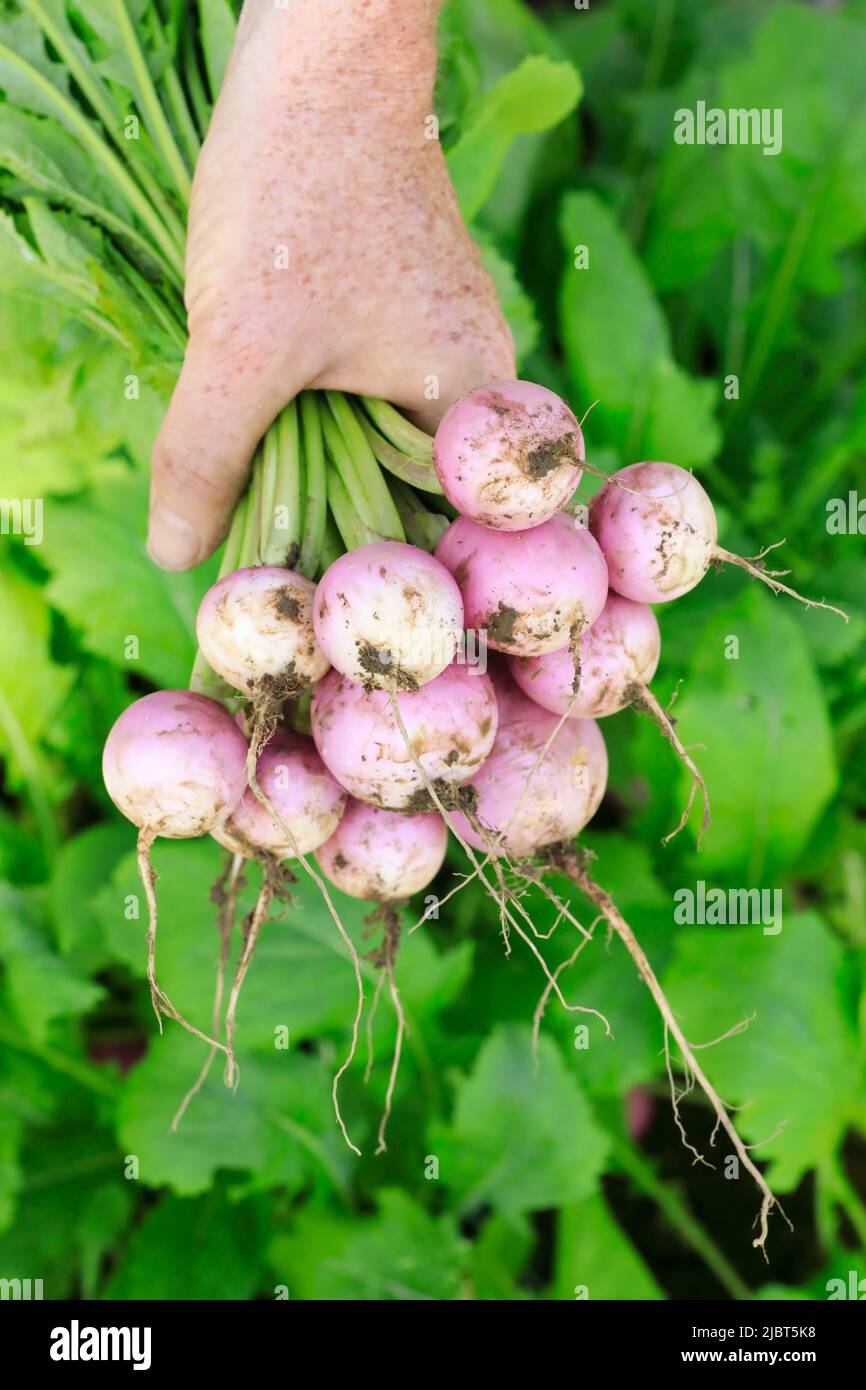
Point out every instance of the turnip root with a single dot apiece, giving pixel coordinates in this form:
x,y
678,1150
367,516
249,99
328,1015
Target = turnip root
x,y
383,856
451,724
522,807
658,531
255,629
295,780
568,860
388,614
509,455
309,803
532,591
174,764
618,658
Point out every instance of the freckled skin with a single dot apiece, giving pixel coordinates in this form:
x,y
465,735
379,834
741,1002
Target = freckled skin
x,y
318,156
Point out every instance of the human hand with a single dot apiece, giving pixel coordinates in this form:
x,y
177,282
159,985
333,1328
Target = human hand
x,y
326,249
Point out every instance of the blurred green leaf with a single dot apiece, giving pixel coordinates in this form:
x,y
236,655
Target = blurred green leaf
x,y
518,1140
593,1255
536,95
186,1250
402,1253
796,1071
158,609
618,347
38,984
767,753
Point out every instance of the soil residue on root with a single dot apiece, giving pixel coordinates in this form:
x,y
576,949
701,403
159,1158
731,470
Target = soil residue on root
x,y
286,604
500,625
452,798
377,661
550,454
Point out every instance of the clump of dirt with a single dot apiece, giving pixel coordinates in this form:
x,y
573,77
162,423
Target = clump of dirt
x,y
500,625
550,454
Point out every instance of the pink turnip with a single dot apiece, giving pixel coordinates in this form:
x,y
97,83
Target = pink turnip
x,y
525,806
383,856
618,655
509,455
618,658
658,531
255,629
295,780
388,615
174,764
529,591
450,722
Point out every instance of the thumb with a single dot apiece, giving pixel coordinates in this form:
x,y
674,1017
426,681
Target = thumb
x,y
202,457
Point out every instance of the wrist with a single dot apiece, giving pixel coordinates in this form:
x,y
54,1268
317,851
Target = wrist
x,y
365,47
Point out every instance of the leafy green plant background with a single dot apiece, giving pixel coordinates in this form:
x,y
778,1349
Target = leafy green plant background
x,y
704,262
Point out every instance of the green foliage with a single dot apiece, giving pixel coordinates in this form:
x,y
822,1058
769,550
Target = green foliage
x,y
502,1179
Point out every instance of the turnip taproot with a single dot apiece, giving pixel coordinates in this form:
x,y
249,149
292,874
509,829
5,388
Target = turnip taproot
x,y
509,455
531,591
657,529
388,614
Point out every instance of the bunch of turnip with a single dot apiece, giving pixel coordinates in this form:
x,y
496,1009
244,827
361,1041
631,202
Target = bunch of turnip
x,y
351,718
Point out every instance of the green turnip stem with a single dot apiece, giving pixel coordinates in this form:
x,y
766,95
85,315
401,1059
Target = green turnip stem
x,y
422,528
268,465
398,430
195,82
331,546
352,529
316,508
280,491
356,464
419,474
250,544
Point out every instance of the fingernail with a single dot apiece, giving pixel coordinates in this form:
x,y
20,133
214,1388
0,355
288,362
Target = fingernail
x,y
172,542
